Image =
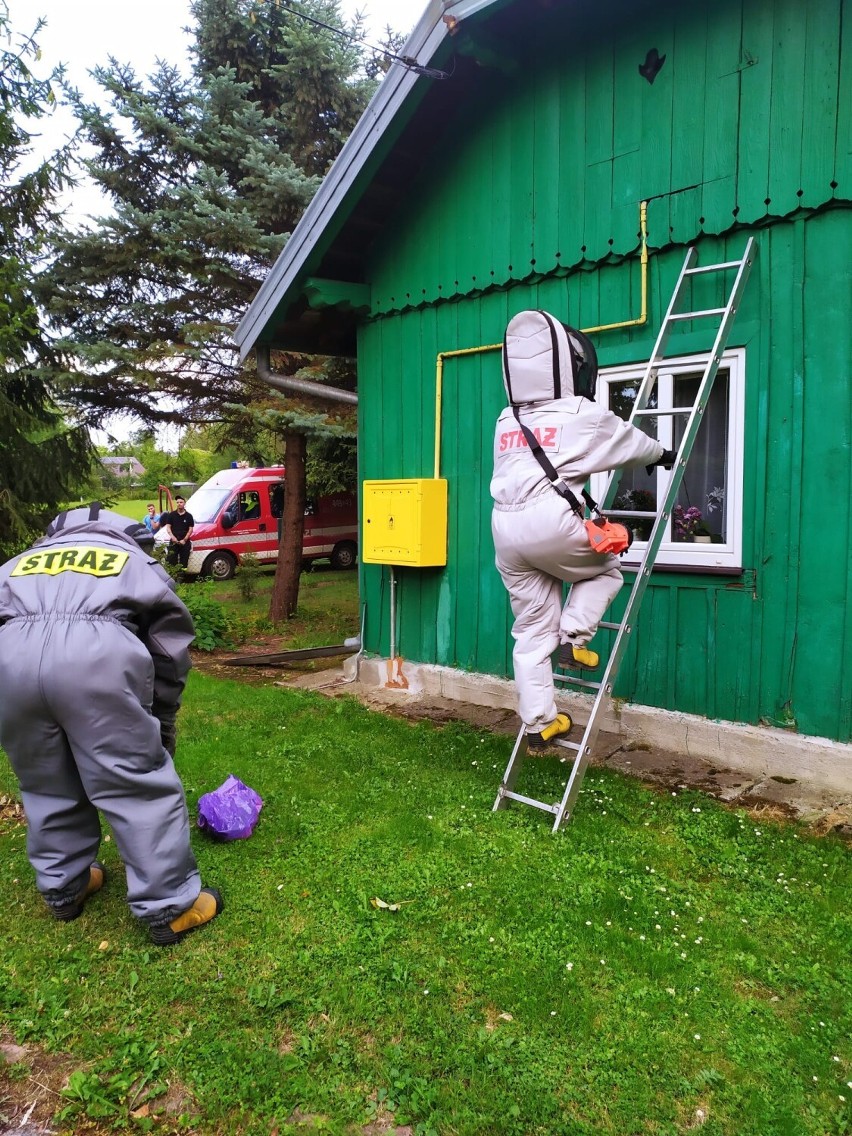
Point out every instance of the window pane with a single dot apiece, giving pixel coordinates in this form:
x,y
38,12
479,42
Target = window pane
x,y
700,509
637,489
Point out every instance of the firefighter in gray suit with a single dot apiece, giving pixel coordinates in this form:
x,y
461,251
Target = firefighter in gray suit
x,y
93,661
550,375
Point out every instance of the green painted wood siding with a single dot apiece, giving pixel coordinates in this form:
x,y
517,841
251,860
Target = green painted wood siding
x,y
741,649
748,119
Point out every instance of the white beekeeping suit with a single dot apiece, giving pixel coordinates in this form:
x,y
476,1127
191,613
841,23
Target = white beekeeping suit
x,y
550,374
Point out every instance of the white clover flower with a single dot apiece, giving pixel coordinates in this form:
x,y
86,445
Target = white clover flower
x,y
569,966
697,1036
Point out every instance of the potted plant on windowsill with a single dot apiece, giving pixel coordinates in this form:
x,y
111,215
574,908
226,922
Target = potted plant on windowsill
x,y
685,522
702,534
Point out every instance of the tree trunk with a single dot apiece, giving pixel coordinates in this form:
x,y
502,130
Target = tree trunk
x,y
285,592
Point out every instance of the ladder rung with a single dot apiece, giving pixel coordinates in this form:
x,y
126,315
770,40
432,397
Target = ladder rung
x,y
698,315
712,268
529,801
568,745
577,681
627,513
611,626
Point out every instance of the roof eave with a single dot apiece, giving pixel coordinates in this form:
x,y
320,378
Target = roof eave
x,y
421,45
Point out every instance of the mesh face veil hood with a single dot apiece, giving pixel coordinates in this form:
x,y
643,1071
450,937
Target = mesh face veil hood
x,y
544,359
95,517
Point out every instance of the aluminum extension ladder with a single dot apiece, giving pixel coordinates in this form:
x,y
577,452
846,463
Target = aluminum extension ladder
x,y
582,752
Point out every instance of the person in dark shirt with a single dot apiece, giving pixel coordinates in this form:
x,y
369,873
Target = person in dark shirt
x,y
179,525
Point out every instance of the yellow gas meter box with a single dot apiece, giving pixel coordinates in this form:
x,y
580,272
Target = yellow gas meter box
x,y
405,522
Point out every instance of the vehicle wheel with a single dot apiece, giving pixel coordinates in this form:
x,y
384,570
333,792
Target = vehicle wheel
x,y
344,555
219,565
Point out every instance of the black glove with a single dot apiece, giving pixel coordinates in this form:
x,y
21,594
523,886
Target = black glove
x,y
666,459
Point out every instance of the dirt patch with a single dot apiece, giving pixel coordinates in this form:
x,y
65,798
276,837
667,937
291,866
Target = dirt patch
x,y
11,813
30,1084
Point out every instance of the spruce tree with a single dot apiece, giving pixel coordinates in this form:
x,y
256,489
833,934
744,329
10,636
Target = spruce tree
x,y
42,457
207,174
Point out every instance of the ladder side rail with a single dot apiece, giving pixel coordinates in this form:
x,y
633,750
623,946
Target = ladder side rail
x,y
649,376
639,408
643,574
510,777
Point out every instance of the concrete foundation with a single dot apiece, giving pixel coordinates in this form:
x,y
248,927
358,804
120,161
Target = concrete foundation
x,y
761,754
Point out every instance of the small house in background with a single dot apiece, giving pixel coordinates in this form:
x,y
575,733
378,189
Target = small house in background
x,y
125,468
563,155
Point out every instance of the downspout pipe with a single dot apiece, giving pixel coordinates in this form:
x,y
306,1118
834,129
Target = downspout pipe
x,y
291,385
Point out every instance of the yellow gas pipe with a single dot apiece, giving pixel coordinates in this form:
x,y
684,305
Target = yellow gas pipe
x,y
641,319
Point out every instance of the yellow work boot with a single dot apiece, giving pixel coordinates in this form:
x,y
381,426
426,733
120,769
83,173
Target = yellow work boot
x,y
577,658
545,741
204,910
71,908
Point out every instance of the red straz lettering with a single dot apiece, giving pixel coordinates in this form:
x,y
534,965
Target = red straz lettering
x,y
548,438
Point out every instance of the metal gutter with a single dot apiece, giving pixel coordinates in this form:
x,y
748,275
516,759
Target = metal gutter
x,y
388,100
291,385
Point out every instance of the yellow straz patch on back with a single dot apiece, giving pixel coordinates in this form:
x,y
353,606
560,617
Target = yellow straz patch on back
x,y
90,561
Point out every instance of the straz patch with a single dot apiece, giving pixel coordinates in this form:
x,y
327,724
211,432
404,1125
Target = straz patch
x,y
90,561
548,438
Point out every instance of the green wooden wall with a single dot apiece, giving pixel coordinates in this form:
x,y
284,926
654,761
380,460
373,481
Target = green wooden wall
x,y
551,170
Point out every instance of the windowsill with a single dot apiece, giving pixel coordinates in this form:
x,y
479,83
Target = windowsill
x,y
688,569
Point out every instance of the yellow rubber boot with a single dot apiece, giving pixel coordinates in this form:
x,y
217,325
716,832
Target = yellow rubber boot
x,y
65,912
204,910
578,658
544,742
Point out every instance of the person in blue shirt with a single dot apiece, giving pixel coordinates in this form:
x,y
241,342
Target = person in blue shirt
x,y
151,520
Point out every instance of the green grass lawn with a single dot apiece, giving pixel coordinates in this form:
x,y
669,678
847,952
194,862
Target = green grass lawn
x,y
661,965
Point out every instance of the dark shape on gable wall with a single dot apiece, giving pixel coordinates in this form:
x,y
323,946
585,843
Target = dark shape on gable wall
x,y
650,69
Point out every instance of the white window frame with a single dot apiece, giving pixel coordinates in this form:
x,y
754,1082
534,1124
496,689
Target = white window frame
x,y
677,553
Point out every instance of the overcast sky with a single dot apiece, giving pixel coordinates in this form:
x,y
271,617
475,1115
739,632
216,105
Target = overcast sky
x,y
84,33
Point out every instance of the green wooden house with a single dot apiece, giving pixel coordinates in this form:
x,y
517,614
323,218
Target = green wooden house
x,y
563,154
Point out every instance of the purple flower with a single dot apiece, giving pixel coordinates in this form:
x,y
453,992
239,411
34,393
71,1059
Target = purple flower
x,y
686,521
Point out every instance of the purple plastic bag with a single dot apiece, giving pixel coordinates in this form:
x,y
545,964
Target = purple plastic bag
x,y
229,812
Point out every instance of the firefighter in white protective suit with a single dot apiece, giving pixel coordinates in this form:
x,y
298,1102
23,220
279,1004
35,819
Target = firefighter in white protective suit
x,y
550,375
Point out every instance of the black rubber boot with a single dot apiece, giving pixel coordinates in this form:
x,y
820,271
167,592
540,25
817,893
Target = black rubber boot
x,y
72,908
577,658
544,742
203,911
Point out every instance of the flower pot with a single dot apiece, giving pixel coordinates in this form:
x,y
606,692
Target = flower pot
x,y
702,538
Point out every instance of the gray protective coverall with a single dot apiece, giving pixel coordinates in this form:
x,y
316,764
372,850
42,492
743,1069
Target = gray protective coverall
x,y
93,661
540,543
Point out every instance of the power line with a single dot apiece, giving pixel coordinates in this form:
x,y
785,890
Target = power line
x,y
406,61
